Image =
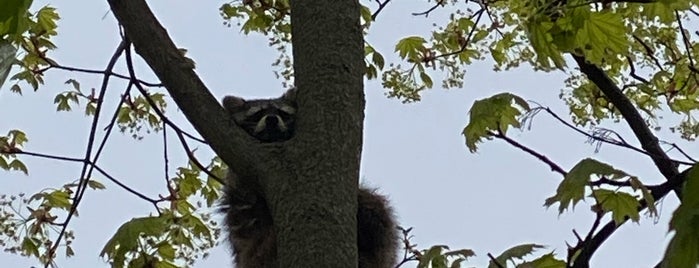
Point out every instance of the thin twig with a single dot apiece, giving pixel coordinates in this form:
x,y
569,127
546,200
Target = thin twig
x,y
495,261
85,173
554,167
98,168
378,10
427,12
180,134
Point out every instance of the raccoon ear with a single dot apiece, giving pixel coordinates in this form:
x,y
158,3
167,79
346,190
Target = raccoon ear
x,y
233,103
290,95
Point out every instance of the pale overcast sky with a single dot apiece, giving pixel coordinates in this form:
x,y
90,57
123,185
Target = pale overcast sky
x,y
414,153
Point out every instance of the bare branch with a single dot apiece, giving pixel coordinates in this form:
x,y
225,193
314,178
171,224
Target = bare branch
x,y
99,169
554,167
166,121
381,7
687,44
676,147
427,12
649,52
602,135
632,71
53,65
152,42
87,169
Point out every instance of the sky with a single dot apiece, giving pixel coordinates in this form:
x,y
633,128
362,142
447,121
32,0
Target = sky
x,y
414,153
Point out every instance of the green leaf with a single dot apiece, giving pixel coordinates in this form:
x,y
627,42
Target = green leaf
x,y
432,256
621,205
378,60
664,10
95,184
572,188
69,251
683,250
601,33
546,261
7,58
636,184
166,251
127,237
18,165
46,20
18,137
30,247
426,79
496,113
542,42
366,15
14,16
165,264
59,199
410,47
516,252
3,164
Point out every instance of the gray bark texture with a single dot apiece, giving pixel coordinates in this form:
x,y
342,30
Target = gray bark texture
x,y
311,182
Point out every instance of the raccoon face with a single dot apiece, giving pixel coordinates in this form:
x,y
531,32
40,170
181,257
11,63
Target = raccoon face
x,y
269,120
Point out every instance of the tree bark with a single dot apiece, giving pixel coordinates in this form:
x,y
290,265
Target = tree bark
x,y
328,52
311,181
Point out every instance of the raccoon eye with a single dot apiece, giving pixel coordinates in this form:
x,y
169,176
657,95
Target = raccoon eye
x,y
287,109
253,110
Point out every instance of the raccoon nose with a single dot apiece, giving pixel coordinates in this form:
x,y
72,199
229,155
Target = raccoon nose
x,y
271,120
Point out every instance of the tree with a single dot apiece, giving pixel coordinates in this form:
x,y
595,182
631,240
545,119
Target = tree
x,y
644,47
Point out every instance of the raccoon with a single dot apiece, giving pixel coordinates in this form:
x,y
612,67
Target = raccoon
x,y
247,216
269,120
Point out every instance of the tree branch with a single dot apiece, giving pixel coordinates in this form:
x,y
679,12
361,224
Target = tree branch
x,y
588,247
554,167
382,5
647,139
199,106
166,121
87,169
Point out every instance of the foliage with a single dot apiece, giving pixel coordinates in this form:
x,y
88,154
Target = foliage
x,y
494,114
683,250
28,234
10,144
644,48
159,241
32,33
439,256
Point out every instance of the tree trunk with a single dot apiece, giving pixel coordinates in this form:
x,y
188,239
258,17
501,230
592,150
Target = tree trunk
x,y
311,182
316,213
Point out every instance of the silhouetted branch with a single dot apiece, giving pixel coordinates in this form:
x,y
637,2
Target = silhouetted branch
x,y
587,248
495,261
647,139
87,169
649,52
54,65
554,167
378,10
687,45
167,121
427,12
601,135
96,167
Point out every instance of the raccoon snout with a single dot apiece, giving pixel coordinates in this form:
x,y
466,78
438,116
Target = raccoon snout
x,y
270,122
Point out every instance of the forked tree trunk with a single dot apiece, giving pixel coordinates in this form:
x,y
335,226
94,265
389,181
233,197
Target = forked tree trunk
x,y
311,182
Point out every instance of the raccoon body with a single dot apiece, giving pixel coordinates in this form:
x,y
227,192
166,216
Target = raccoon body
x,y
247,217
